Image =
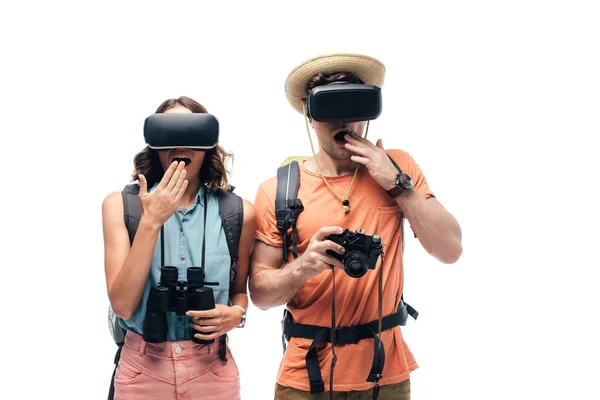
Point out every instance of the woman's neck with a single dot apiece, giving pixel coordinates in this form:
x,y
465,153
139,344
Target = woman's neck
x,y
189,197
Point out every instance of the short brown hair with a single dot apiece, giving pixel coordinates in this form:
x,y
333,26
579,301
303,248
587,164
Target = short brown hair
x,y
213,171
323,79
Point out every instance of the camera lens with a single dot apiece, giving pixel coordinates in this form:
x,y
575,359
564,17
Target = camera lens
x,y
355,264
168,275
195,276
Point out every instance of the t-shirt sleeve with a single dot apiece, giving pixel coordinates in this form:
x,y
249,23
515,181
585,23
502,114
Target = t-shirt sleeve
x,y
410,166
266,222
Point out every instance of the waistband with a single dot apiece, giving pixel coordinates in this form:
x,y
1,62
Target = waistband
x,y
181,349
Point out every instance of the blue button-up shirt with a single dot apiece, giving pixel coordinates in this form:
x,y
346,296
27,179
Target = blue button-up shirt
x,y
184,232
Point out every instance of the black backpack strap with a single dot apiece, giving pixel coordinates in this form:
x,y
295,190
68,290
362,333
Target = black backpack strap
x,y
344,335
132,212
132,209
231,208
287,205
409,309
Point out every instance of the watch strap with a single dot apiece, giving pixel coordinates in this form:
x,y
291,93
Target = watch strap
x,y
395,165
396,190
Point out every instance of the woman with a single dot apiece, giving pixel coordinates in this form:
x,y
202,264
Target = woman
x,y
178,193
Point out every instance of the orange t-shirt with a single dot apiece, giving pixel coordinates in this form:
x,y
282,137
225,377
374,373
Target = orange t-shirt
x,y
374,211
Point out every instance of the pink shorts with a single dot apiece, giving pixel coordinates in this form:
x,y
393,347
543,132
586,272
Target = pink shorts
x,y
174,370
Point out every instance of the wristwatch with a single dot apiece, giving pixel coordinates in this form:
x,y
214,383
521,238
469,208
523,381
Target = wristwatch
x,y
403,184
243,321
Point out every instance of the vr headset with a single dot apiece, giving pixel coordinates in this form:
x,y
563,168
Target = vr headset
x,y
344,101
191,130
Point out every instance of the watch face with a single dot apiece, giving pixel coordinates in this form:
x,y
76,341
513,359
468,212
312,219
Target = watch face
x,y
404,182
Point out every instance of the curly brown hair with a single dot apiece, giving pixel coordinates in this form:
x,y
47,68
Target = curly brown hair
x,y
213,172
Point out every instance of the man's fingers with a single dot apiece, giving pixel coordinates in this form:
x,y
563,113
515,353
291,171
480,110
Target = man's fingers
x,y
329,245
327,230
360,160
330,261
380,144
356,139
360,150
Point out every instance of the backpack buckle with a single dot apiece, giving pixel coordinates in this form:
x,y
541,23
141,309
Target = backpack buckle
x,y
347,335
283,220
287,216
294,204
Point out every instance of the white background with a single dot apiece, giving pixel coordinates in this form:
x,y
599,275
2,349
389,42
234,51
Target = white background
x,y
497,101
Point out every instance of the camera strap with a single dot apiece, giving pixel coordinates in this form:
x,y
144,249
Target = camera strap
x,y
377,367
333,325
379,353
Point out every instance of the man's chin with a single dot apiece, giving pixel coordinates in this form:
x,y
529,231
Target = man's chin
x,y
342,155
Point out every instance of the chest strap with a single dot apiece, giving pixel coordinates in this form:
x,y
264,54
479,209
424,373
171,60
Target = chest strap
x,y
321,335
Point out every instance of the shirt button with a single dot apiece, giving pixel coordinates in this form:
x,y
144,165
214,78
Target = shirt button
x,y
178,350
182,258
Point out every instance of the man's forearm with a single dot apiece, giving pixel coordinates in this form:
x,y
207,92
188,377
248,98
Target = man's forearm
x,y
273,287
436,228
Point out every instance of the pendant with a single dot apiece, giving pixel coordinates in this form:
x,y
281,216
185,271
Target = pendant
x,y
346,206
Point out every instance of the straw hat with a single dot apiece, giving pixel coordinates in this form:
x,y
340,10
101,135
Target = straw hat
x,y
370,70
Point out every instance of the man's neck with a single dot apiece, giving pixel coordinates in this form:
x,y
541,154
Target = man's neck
x,y
330,166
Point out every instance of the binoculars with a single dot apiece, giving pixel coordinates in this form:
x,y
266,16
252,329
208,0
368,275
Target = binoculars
x,y
173,295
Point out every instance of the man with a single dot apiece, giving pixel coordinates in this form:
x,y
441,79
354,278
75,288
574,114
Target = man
x,y
356,185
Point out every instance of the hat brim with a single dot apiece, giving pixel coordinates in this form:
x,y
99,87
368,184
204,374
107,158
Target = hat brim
x,y
370,70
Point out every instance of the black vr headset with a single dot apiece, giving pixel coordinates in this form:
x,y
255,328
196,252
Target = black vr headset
x,y
344,101
191,130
